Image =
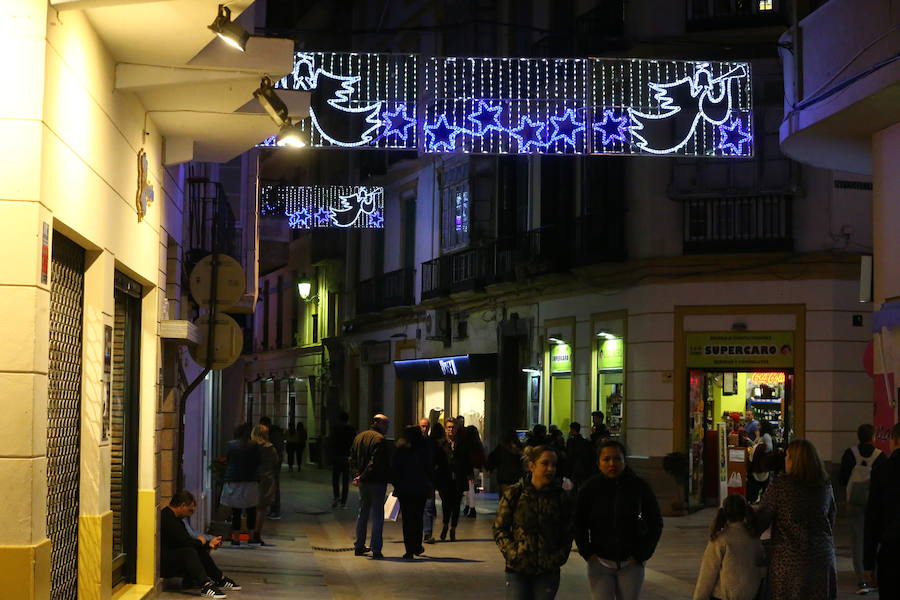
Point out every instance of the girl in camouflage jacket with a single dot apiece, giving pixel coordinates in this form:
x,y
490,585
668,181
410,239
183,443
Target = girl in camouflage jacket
x,y
533,528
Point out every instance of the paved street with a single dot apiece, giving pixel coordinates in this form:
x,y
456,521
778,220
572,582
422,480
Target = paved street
x,y
312,557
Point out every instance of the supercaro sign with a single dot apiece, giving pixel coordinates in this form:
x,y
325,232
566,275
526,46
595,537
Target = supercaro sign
x,y
740,350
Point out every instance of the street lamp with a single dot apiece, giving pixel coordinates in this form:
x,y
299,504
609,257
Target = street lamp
x,y
304,288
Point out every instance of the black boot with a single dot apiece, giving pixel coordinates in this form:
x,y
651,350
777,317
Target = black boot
x,y
444,532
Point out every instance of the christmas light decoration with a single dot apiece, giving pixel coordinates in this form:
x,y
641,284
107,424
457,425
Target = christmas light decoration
x,y
526,105
317,207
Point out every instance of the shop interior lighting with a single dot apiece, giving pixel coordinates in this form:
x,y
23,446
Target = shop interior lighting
x,y
230,32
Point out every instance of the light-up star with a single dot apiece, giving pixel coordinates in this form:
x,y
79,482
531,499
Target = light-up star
x,y
397,123
323,216
376,219
299,219
487,117
441,135
732,136
528,134
566,127
612,128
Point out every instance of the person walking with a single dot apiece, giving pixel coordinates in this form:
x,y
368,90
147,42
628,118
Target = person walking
x,y
430,511
505,460
240,491
456,481
617,526
440,477
581,455
533,529
370,461
882,528
342,435
760,462
412,471
799,507
290,445
599,430
473,458
267,471
734,563
855,476
276,438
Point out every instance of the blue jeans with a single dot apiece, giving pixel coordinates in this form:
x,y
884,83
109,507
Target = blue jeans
x,y
620,583
429,515
522,586
371,501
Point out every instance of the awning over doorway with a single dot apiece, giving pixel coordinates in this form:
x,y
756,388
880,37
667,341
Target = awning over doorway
x,y
465,367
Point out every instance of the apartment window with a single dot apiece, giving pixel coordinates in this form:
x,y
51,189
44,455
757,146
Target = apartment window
x,y
766,4
455,203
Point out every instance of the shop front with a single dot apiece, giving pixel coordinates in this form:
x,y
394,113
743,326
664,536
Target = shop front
x,y
733,379
561,385
452,386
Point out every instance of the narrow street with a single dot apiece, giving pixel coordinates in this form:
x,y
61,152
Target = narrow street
x,y
311,556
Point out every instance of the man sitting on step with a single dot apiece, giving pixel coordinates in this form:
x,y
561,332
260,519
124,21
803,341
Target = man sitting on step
x,y
184,553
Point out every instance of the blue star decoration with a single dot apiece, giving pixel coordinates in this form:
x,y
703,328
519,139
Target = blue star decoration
x,y
323,216
732,136
299,219
566,127
397,123
441,134
376,220
487,117
613,128
528,134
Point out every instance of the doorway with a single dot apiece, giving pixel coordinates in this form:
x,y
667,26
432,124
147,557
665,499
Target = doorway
x,y
718,405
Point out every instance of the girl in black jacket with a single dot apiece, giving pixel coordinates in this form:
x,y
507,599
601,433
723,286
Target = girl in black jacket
x,y
617,526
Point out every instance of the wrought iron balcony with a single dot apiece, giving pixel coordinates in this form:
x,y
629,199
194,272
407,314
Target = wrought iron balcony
x,y
386,291
740,224
727,14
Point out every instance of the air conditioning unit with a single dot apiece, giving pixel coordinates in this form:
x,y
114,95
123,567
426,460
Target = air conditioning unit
x,y
436,324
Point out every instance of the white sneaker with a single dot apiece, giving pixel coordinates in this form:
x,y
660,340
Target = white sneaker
x,y
211,591
863,589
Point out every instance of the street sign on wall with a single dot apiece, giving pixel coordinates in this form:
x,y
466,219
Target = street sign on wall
x,y
623,106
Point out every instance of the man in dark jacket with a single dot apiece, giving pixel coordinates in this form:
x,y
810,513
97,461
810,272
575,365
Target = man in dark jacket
x,y
867,456
581,455
185,554
276,438
342,436
882,538
371,464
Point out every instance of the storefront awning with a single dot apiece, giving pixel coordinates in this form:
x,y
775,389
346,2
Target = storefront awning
x,y
466,367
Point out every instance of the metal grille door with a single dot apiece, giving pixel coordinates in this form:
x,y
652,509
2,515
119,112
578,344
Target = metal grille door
x,y
64,414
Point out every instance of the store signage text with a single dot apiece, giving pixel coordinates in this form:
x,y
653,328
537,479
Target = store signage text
x,y
448,367
741,349
561,358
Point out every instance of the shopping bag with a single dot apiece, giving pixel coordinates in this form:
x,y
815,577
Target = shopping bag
x,y
391,508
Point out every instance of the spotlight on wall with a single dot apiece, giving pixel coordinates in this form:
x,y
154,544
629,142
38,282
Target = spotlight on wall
x,y
606,335
291,136
556,340
230,32
531,371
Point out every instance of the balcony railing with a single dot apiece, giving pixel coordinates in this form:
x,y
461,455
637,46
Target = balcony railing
x,y
386,291
723,14
742,224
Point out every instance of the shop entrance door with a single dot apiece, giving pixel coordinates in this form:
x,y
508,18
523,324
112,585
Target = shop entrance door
x,y
561,401
724,397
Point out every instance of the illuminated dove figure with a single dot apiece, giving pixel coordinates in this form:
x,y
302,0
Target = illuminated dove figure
x,y
362,202
683,103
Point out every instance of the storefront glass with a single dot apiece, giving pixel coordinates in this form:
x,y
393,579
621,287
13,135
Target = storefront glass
x,y
561,386
611,381
471,404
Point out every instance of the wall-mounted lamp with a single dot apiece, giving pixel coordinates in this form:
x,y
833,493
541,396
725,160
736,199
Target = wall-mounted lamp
x,y
555,340
607,335
228,31
289,134
304,289
531,371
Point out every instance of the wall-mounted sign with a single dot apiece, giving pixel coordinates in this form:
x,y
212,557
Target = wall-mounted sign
x,y
466,367
610,353
561,358
144,194
526,105
318,207
741,350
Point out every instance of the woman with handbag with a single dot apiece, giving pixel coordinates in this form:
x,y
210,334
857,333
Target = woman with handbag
x,y
533,529
617,526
